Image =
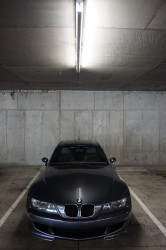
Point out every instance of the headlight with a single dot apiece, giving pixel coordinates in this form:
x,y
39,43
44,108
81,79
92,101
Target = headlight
x,y
43,206
115,205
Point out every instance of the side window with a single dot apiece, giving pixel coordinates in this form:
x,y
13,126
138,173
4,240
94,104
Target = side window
x,y
102,155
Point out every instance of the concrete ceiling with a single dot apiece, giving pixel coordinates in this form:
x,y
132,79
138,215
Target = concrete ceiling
x,y
123,47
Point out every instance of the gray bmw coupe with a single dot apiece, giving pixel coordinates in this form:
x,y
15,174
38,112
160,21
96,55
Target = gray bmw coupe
x,y
78,195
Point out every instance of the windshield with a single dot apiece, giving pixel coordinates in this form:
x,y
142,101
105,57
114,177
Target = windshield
x,y
79,155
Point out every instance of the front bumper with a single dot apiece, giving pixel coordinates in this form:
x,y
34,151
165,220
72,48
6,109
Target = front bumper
x,y
108,226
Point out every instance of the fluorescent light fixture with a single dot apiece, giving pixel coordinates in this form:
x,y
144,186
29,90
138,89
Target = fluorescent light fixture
x,y
79,22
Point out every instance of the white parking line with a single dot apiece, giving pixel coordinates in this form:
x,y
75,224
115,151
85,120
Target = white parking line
x,y
6,215
153,218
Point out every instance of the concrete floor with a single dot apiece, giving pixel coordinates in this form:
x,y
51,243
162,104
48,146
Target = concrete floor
x,y
149,184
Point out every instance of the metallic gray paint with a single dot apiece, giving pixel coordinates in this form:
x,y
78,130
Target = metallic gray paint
x,y
61,185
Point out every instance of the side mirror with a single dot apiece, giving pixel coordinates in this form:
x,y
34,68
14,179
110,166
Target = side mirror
x,y
45,160
113,159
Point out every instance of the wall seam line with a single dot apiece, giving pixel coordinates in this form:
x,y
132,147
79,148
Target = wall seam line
x,y
109,134
60,115
74,126
24,137
42,131
93,115
159,136
123,129
6,138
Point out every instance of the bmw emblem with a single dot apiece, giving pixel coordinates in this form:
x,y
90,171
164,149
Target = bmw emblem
x,y
79,200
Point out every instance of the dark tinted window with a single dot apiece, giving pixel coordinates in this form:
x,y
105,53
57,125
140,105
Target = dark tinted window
x,y
78,154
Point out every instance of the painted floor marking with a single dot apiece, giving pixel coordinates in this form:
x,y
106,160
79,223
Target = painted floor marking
x,y
131,169
6,215
153,218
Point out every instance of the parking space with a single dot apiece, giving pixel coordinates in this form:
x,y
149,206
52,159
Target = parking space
x,y
13,180
149,186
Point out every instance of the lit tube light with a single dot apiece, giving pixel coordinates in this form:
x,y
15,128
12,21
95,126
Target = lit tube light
x,y
79,22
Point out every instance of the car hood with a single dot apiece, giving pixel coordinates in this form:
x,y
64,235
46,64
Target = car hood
x,y
65,185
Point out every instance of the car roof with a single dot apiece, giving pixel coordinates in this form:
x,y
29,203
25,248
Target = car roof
x,y
78,143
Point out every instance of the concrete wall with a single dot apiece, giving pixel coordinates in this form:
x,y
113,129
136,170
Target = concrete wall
x,y
129,125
